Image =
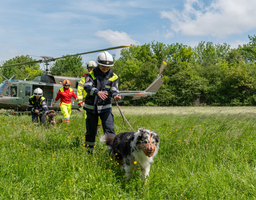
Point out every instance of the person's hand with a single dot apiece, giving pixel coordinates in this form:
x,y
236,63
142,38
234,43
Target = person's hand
x,y
117,97
102,95
53,103
36,111
81,104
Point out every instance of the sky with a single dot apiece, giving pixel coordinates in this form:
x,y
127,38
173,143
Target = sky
x,y
60,27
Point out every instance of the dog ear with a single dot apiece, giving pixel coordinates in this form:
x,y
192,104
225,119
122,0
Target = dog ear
x,y
142,130
156,137
51,112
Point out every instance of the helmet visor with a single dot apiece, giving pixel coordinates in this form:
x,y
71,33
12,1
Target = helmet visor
x,y
105,63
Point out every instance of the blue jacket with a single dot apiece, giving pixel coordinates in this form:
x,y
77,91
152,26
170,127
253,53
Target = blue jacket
x,y
95,82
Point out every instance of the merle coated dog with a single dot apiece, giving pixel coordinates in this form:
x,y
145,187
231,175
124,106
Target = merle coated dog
x,y
133,149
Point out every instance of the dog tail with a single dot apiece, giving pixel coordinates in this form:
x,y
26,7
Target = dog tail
x,y
107,139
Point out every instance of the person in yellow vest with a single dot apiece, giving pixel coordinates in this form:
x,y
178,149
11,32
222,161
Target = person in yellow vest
x,y
81,93
65,94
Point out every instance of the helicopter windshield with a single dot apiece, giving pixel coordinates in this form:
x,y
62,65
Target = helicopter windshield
x,y
2,86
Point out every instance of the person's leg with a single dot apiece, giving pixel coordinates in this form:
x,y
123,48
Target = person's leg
x,y
91,131
64,110
69,107
107,119
34,118
42,118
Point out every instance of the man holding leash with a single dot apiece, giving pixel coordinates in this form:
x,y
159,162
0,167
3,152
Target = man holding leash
x,y
65,94
101,85
81,93
38,106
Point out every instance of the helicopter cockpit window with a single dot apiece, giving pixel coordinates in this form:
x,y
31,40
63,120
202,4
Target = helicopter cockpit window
x,y
7,92
37,79
2,86
27,91
11,91
14,91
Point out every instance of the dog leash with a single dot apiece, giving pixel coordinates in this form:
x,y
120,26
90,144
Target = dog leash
x,y
124,116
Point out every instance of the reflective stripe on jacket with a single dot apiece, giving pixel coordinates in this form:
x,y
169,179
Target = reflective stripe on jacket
x,y
37,104
97,81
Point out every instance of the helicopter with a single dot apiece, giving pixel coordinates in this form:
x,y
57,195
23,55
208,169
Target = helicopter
x,y
15,94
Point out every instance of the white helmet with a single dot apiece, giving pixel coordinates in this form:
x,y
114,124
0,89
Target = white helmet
x,y
91,64
105,59
38,92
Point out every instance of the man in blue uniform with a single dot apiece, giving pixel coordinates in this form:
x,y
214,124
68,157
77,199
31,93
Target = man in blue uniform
x,y
38,106
101,85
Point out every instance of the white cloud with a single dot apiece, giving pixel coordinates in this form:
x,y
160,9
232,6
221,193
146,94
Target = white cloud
x,y
236,43
116,38
219,19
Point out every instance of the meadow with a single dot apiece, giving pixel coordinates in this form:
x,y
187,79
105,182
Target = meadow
x,y
205,153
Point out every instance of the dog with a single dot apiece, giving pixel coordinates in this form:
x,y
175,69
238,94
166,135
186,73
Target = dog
x,y
50,118
133,149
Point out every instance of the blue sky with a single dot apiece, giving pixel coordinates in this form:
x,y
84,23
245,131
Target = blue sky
x,y
59,27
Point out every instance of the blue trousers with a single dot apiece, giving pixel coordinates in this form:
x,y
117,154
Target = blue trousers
x,y
107,119
35,117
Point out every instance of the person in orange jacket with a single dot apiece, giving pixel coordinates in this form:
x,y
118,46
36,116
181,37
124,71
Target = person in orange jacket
x,y
65,94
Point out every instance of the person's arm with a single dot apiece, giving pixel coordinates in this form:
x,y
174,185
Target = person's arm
x,y
115,91
80,90
57,98
74,95
89,88
44,107
30,106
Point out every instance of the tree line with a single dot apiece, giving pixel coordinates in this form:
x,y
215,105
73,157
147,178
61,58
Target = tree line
x,y
208,74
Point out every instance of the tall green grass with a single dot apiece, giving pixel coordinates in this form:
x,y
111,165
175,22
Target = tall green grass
x,y
201,156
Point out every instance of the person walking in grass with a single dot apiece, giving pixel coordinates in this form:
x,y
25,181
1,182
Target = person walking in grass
x,y
101,85
65,94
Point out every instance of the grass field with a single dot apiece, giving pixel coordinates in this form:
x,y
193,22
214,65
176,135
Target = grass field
x,y
205,153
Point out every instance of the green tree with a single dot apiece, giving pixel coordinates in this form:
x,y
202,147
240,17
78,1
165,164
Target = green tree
x,y
248,51
21,71
69,66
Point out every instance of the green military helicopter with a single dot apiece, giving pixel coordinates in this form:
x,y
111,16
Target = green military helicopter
x,y
14,94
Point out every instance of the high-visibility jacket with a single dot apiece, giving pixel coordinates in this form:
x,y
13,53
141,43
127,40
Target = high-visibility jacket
x,y
65,95
95,82
81,93
37,104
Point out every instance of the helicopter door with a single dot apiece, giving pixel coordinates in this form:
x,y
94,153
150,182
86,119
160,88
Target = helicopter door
x,y
25,92
47,93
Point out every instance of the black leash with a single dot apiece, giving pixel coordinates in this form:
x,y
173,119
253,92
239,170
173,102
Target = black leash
x,y
124,116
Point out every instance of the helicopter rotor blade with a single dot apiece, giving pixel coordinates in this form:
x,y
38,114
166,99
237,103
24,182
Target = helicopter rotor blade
x,y
47,59
88,52
24,63
162,67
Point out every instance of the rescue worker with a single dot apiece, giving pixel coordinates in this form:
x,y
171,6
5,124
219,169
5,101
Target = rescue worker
x,y
81,93
101,85
38,106
65,94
